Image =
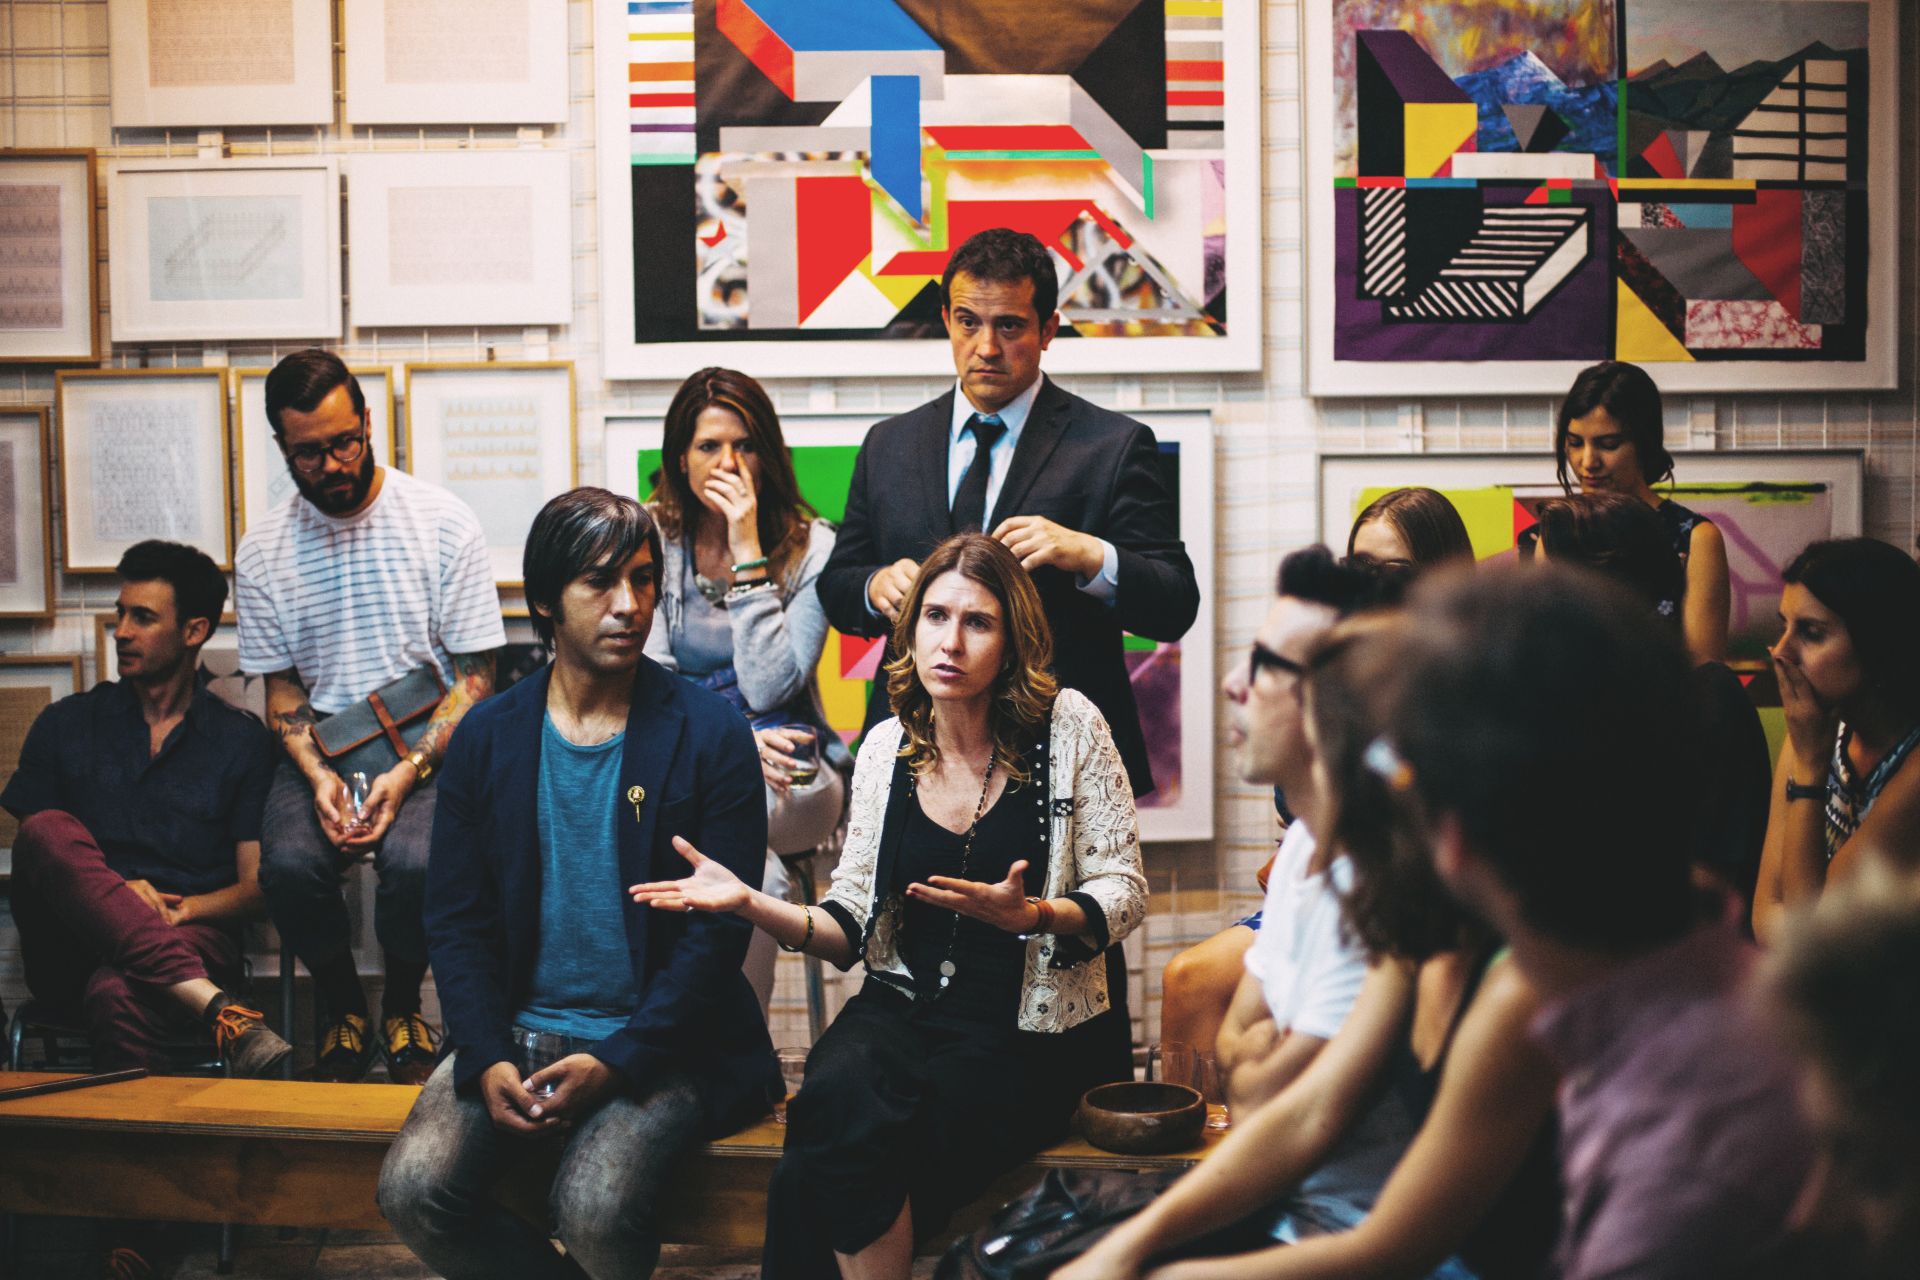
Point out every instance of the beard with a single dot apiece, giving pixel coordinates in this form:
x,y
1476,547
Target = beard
x,y
340,493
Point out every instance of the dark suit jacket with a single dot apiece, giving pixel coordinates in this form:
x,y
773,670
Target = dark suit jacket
x,y
1078,465
695,756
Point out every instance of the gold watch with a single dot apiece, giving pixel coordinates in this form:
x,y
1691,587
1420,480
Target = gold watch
x,y
418,759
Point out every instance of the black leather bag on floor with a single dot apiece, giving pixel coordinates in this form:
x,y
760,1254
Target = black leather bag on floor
x,y
1065,1214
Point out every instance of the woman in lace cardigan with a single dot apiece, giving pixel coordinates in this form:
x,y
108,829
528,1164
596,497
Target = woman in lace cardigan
x,y
992,866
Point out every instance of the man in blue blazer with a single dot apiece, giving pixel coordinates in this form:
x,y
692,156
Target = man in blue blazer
x,y
575,1017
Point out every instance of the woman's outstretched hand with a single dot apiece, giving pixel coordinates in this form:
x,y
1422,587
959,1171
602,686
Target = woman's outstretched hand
x,y
711,887
1003,905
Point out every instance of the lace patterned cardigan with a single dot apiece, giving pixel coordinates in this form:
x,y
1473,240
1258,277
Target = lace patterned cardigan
x,y
1093,856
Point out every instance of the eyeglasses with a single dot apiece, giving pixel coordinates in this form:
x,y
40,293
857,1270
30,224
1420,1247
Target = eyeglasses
x,y
308,459
1261,658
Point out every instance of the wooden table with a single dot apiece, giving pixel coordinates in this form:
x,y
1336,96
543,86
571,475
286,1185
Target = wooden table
x,y
289,1153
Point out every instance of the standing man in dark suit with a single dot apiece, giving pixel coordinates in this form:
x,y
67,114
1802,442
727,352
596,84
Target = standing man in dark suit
x,y
1074,490
554,797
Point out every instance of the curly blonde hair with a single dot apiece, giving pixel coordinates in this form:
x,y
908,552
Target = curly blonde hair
x,y
1023,691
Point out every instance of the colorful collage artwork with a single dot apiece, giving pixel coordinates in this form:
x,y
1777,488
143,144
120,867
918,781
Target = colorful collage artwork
x,y
789,177
1695,185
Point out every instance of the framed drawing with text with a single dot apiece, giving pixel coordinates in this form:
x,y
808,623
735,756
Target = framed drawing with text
x,y
225,249
500,437
781,184
1501,194
51,300
1172,683
26,525
265,481
220,62
455,61
29,684
460,238
143,454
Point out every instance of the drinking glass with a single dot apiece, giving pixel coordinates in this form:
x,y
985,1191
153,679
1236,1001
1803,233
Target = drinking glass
x,y
538,1050
804,774
358,788
793,1069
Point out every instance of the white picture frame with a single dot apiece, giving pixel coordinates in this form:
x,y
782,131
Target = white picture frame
x,y
26,523
224,250
500,437
460,238
49,311
1181,807
455,61
1329,377
1235,45
32,682
168,475
176,63
265,482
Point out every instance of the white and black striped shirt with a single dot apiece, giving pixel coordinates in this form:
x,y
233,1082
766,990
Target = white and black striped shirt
x,y
354,602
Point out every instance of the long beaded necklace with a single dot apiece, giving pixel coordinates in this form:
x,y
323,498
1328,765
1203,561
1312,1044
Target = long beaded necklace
x,y
947,967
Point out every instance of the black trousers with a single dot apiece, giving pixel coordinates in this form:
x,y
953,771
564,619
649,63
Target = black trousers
x,y
902,1105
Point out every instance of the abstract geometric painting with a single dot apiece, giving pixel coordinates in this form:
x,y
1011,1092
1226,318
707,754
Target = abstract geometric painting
x,y
783,181
1703,186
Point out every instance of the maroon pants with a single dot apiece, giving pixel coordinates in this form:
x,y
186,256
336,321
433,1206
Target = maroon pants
x,y
97,953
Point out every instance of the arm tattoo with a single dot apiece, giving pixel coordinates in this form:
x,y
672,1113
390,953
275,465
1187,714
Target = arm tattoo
x,y
294,722
472,681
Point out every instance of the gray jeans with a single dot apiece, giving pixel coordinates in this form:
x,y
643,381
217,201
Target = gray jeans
x,y
300,874
435,1186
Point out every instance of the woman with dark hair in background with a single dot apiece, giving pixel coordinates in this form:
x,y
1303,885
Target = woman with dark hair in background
x,y
1610,437
739,614
1623,538
1844,784
1409,530
992,863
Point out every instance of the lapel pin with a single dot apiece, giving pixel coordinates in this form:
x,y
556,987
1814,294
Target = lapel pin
x,y
635,795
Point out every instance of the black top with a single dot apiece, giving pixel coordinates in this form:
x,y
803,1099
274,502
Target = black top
x,y
988,962
1735,779
171,818
1680,522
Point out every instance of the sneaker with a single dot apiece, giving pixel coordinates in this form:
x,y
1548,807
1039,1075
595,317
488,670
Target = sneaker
x,y
408,1045
345,1051
247,1043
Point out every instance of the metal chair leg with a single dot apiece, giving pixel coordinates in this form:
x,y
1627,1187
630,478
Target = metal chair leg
x,y
286,1005
223,1262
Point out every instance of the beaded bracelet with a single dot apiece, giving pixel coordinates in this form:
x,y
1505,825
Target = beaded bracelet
x,y
744,565
804,941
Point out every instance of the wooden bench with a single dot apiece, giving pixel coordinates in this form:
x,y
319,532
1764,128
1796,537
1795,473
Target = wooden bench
x,y
284,1153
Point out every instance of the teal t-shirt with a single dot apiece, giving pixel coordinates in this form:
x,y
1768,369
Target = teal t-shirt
x,y
582,973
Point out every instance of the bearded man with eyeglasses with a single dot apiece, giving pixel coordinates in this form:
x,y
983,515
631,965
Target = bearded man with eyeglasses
x,y
364,575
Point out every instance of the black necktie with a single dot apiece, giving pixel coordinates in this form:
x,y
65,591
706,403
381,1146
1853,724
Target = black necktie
x,y
970,499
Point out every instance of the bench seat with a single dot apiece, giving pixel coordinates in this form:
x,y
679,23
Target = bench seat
x,y
290,1153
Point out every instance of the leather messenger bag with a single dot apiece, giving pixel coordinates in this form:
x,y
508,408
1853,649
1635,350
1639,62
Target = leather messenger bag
x,y
376,733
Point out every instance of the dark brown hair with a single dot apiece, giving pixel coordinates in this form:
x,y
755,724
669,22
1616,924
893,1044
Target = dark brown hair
x,y
1616,534
575,532
1630,399
1425,521
1023,691
1001,255
305,378
784,516
1874,588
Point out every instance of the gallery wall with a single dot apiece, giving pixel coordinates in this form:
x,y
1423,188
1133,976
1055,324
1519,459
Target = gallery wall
x,y
1268,435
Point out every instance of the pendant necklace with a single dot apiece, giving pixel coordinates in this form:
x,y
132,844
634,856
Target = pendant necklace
x,y
947,967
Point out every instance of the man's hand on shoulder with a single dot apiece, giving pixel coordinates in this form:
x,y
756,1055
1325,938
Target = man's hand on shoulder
x,y
509,1105
1038,542
580,1082
887,588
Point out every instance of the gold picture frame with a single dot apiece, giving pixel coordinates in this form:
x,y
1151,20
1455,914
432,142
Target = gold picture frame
x,y
31,538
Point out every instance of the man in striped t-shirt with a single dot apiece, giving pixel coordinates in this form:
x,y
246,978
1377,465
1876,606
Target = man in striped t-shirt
x,y
364,575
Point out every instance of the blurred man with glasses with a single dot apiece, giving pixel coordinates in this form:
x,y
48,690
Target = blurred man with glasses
x,y
362,577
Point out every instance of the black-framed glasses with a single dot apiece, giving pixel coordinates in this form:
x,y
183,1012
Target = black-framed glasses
x,y
308,459
1260,658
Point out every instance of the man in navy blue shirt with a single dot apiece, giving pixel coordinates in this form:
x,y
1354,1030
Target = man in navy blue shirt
x,y
555,796
138,856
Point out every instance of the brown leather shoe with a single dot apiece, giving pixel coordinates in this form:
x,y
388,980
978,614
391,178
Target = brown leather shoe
x,y
247,1043
346,1051
408,1045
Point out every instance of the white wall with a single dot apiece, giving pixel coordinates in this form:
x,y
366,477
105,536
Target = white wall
x,y
53,92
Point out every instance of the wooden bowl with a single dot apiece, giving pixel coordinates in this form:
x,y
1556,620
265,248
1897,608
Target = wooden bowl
x,y
1142,1118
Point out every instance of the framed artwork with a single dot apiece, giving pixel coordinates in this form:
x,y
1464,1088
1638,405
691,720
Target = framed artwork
x,y
228,249
220,62
219,658
1768,506
456,61
781,184
460,237
29,684
1502,194
501,438
143,454
26,523
265,481
1172,683
47,253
